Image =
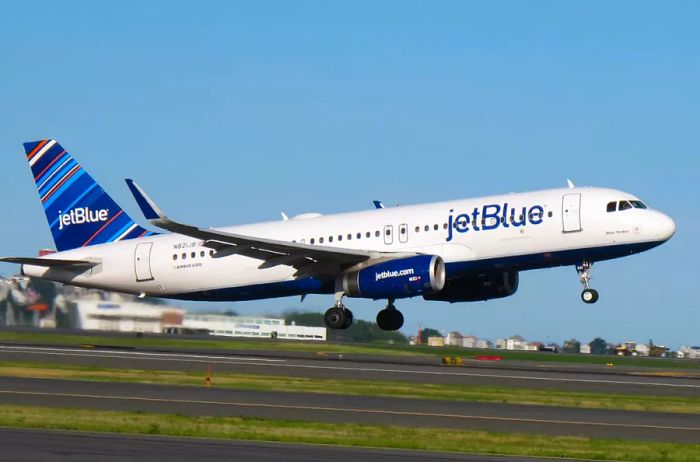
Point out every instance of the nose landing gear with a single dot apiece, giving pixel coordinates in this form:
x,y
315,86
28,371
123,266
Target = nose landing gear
x,y
588,295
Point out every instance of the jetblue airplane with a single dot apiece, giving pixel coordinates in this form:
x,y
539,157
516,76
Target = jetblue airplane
x,y
455,251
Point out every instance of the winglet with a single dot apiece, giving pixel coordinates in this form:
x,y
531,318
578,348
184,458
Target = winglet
x,y
378,204
148,207
570,184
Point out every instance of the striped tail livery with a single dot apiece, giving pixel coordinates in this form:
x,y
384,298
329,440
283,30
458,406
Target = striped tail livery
x,y
79,212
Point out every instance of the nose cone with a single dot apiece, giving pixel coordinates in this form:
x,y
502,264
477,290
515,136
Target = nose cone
x,y
664,227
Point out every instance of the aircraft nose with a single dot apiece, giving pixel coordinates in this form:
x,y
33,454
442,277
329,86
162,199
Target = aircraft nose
x,y
665,227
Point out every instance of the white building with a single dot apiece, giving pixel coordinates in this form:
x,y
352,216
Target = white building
x,y
121,316
454,339
501,343
469,341
483,343
238,326
516,342
585,348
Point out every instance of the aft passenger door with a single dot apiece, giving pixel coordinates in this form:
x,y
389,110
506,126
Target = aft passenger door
x,y
571,213
142,262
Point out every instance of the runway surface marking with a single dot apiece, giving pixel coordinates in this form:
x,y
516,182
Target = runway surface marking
x,y
348,410
284,363
130,354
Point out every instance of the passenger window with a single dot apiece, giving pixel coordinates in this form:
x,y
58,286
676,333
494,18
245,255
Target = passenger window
x,y
201,254
624,205
340,237
550,214
376,233
612,206
444,226
436,227
174,256
349,237
427,227
330,238
320,240
211,253
312,240
193,254
417,228
359,235
184,256
367,234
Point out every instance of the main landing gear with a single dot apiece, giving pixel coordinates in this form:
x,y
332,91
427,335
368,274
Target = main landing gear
x,y
339,317
390,318
588,295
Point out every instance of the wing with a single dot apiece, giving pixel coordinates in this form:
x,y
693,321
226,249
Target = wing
x,y
307,259
48,262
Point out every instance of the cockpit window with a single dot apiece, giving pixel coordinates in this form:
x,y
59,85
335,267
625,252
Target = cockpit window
x,y
625,205
612,206
638,204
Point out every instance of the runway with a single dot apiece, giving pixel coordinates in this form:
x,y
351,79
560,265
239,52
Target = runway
x,y
28,445
585,379
598,423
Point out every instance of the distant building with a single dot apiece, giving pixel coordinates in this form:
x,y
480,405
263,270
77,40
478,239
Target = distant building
x,y
686,352
483,343
585,348
532,346
641,349
454,339
254,327
469,341
121,316
436,341
515,342
501,343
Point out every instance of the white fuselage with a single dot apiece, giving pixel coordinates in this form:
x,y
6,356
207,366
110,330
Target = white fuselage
x,y
560,227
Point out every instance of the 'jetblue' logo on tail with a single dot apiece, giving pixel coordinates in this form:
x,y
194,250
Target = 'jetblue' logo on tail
x,y
81,215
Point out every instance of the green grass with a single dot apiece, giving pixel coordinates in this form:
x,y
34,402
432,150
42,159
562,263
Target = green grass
x,y
548,397
347,434
44,337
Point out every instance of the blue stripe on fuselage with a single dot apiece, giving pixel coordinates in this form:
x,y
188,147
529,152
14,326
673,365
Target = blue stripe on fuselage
x,y
310,285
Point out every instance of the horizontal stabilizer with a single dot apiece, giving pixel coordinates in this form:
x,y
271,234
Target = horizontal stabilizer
x,y
48,262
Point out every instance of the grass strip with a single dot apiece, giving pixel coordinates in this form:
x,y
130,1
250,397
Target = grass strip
x,y
452,392
346,434
47,337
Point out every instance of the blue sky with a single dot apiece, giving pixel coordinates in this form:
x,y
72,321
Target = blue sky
x,y
230,112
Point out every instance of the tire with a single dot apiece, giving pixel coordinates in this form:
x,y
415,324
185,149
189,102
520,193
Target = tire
x,y
390,319
335,318
589,296
348,319
396,320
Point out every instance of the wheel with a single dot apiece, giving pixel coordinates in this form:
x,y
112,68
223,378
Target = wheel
x,y
390,319
348,319
589,295
335,317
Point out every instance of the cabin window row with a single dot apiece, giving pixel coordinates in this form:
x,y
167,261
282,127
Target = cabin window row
x,y
183,255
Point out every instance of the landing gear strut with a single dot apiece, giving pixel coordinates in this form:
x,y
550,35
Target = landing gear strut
x,y
588,295
338,316
390,318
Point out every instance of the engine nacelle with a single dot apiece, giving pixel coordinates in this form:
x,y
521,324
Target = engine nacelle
x,y
399,278
477,288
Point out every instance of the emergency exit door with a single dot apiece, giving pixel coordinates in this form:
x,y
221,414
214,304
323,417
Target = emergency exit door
x,y
571,213
142,262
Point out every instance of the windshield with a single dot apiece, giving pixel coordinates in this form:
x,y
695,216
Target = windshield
x,y
638,204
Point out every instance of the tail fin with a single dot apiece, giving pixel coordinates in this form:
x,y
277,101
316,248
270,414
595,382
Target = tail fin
x,y
79,211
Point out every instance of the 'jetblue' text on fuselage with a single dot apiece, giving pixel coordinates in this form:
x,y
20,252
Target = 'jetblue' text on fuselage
x,y
492,216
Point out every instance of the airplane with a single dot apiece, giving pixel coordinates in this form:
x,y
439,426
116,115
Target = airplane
x,y
455,251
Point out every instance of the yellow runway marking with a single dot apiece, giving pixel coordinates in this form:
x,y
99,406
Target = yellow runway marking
x,y
349,410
